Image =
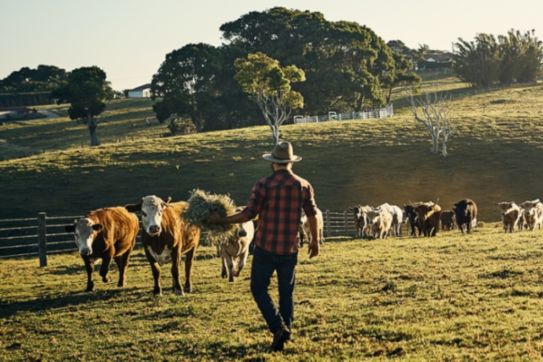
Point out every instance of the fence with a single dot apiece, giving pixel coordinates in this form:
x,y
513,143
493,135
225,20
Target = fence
x,y
45,235
378,113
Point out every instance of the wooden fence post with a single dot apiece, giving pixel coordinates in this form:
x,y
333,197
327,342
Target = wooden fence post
x,y
42,238
345,222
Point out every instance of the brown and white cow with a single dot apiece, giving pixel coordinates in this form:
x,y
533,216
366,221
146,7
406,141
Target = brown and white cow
x,y
511,214
304,231
108,233
167,236
448,220
235,249
429,214
533,213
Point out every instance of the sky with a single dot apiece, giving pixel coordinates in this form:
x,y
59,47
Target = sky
x,y
129,39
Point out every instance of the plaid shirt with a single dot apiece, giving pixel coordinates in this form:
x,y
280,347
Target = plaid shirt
x,y
279,200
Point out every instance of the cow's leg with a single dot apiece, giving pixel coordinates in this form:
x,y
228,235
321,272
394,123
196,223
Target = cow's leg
x,y
321,231
122,264
104,268
155,269
176,260
89,266
189,257
224,274
242,261
230,265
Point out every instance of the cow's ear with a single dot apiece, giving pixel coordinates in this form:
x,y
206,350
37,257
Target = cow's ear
x,y
69,228
97,227
133,207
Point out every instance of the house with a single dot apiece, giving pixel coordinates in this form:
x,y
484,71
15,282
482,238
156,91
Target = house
x,y
143,91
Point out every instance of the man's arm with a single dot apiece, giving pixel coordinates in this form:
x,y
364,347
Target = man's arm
x,y
239,217
314,245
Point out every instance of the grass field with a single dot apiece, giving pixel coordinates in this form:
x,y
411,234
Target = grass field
x,y
453,297
494,153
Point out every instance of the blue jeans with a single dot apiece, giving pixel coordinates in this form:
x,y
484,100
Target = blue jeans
x,y
264,264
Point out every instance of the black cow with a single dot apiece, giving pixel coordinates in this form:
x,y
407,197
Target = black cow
x,y
466,214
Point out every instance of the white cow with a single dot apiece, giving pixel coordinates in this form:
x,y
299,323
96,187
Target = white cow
x,y
533,213
234,251
397,217
380,222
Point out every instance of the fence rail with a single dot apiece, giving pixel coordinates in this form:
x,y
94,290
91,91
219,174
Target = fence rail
x,y
377,113
46,239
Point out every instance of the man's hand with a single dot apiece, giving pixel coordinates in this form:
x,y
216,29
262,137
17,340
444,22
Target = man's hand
x,y
313,248
215,218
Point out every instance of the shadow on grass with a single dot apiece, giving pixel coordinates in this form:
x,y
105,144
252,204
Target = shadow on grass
x,y
220,350
8,309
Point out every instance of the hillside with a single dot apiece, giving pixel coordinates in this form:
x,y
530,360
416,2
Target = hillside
x,y
494,155
450,298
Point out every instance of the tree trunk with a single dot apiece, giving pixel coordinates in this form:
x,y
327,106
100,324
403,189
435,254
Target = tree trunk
x,y
93,124
275,134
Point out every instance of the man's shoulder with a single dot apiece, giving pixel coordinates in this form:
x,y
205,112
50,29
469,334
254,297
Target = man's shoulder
x,y
301,180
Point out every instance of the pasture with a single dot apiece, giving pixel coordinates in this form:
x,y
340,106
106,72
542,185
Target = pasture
x,y
496,145
452,297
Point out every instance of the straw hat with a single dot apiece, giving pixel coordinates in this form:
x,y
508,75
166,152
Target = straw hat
x,y
282,153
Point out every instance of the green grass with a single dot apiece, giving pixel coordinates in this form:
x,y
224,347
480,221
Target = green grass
x,y
453,297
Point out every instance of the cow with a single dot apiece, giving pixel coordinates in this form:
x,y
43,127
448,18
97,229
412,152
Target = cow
x,y
304,231
380,223
466,214
522,220
235,249
108,233
397,217
167,235
511,214
412,220
533,213
448,220
361,219
429,214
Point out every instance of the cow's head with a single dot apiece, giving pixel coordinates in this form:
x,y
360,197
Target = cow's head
x,y
505,205
151,208
85,231
424,210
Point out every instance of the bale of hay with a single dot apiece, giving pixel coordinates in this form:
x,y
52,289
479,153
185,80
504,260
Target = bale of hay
x,y
201,205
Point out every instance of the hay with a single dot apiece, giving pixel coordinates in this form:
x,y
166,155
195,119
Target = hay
x,y
201,205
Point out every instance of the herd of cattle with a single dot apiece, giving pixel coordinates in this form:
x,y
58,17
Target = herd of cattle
x,y
110,233
426,218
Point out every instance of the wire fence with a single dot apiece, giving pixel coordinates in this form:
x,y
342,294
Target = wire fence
x,y
377,113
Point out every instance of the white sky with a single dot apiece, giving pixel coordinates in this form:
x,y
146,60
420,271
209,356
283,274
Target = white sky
x,y
130,38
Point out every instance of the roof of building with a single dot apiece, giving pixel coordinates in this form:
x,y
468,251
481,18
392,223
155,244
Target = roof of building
x,y
141,87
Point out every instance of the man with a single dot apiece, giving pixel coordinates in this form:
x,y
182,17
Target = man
x,y
278,200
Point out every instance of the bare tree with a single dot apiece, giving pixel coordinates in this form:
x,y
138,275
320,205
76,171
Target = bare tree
x,y
435,117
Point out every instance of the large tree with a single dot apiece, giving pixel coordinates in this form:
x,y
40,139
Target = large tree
x,y
345,63
270,84
87,91
403,74
186,83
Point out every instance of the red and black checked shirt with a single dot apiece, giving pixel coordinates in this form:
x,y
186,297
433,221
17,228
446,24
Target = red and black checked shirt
x,y
279,200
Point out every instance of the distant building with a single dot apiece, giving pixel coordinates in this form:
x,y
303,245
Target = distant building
x,y
143,91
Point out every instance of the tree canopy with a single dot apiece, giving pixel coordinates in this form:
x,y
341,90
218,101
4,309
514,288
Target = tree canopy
x,y
87,91
43,78
270,85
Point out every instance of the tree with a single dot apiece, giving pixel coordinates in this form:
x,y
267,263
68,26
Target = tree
x,y
402,74
270,85
435,117
487,60
86,90
186,82
345,63
43,78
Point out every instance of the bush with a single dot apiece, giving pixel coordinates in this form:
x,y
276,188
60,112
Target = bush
x,y
181,126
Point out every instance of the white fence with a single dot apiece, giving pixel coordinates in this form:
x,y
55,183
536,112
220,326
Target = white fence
x,y
377,113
